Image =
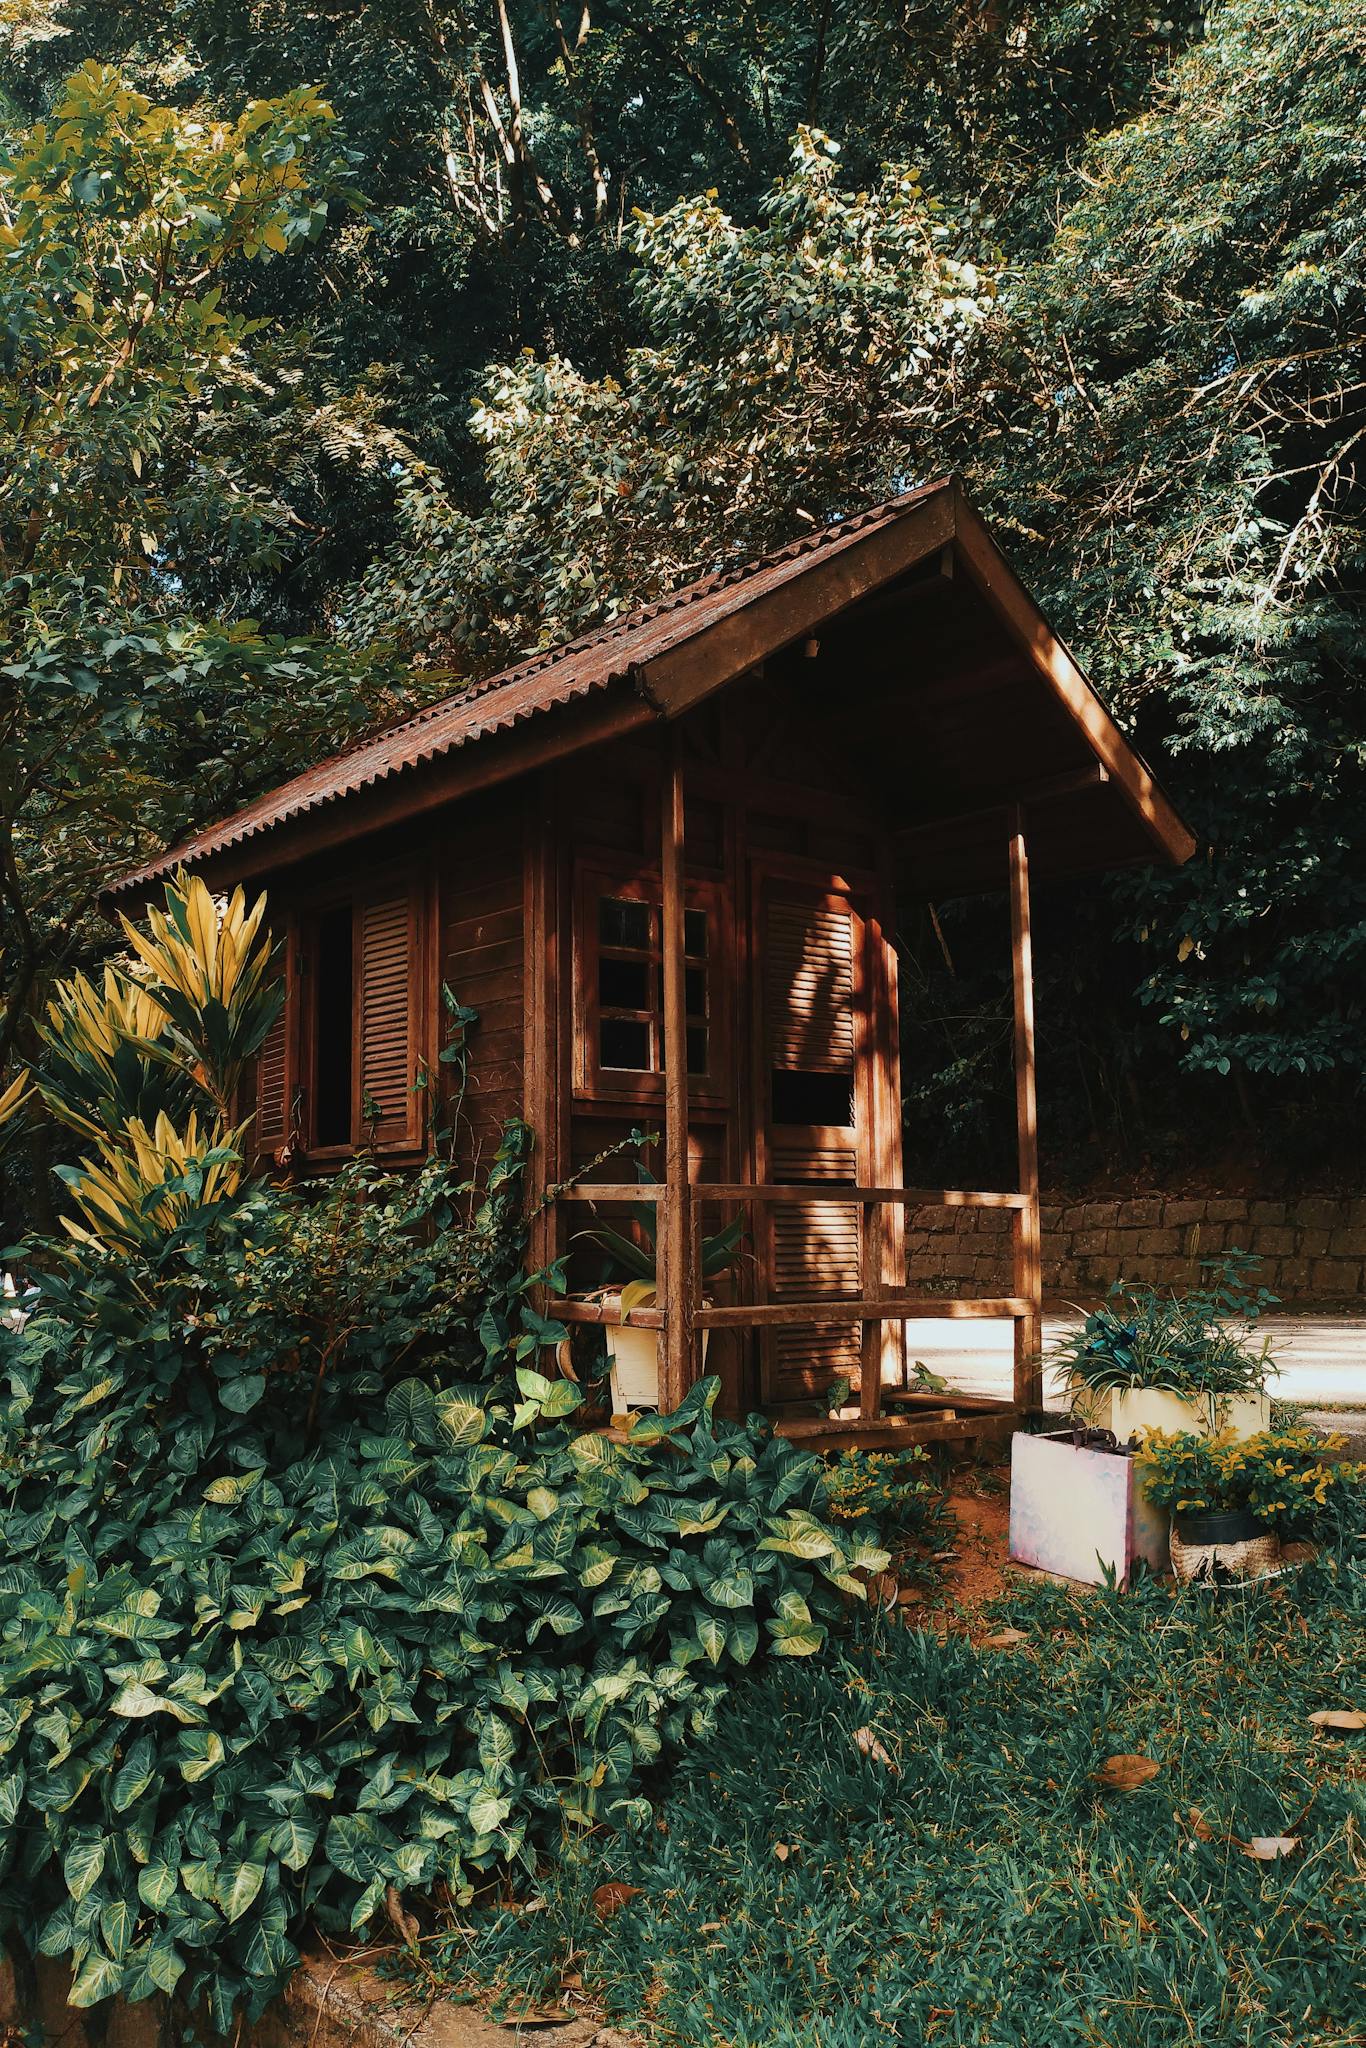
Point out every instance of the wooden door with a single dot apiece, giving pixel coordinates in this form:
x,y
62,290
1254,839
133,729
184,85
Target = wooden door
x,y
818,1030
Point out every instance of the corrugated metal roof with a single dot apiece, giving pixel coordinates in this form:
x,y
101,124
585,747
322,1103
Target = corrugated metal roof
x,y
543,682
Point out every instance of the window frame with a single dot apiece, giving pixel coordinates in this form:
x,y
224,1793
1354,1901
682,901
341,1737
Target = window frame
x,y
414,1142
594,879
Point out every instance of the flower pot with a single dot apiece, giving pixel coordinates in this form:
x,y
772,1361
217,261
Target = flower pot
x,y
634,1359
1080,1513
1222,1547
1128,1411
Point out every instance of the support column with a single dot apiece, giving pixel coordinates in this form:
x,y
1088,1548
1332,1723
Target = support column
x,y
677,1279
1028,1261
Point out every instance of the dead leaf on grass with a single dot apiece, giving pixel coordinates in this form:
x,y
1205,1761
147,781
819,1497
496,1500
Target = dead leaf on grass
x,y
1126,1773
608,1898
525,2012
873,1746
782,1850
1270,1848
1004,1639
1344,1719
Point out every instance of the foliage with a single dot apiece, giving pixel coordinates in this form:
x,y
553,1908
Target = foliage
x,y
888,1488
1280,1475
313,1590
242,1687
831,311
143,417
984,1889
1192,1343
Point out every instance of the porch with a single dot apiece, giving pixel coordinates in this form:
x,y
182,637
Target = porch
x,y
878,1296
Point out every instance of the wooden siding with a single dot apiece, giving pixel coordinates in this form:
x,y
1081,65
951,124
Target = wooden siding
x,y
479,854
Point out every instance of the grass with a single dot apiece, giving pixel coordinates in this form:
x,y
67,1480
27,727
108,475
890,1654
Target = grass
x,y
981,1887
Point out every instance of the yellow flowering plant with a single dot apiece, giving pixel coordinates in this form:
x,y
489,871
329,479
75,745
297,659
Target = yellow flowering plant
x,y
1286,1478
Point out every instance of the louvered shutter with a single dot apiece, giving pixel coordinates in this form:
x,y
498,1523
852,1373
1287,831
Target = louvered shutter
x,y
272,1086
389,1107
814,1251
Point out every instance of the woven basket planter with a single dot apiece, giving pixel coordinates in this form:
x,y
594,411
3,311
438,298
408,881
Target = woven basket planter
x,y
1222,1550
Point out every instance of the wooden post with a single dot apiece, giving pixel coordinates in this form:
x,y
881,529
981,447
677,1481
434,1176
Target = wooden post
x,y
1028,1281
872,1242
677,1280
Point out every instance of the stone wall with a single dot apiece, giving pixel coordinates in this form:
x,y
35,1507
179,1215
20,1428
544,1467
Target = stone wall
x,y
1312,1247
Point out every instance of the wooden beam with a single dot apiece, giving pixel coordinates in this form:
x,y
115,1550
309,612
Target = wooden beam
x,y
870,1367
835,1191
1043,789
989,570
678,1283
765,614
762,1315
612,1191
1028,1268
834,1433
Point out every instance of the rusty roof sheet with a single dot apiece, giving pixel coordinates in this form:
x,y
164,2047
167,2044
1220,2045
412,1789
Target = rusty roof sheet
x,y
543,682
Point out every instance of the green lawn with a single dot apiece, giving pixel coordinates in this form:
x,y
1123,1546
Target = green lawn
x,y
983,1889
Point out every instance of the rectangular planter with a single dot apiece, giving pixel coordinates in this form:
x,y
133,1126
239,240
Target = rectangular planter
x,y
1128,1411
1081,1513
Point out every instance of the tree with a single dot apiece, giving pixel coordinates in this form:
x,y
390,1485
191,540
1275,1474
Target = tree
x,y
138,415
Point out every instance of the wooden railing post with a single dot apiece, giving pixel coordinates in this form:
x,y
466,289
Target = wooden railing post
x,y
1028,1262
675,1234
872,1242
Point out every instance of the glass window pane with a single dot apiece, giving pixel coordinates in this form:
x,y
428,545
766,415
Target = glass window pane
x,y
623,984
697,1048
695,991
622,922
695,933
812,1098
624,1042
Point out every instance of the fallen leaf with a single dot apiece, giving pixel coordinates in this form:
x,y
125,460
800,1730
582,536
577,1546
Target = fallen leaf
x,y
909,1596
609,1897
1004,1639
782,1850
888,1588
873,1746
1199,1826
1126,1773
711,1926
1270,1848
1339,1717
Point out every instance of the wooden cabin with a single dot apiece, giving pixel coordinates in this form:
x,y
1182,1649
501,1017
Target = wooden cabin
x,y
664,865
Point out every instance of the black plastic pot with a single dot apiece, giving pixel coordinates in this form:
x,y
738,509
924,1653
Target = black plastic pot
x,y
1227,1525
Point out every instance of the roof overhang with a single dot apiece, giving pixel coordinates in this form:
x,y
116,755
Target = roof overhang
x,y
1102,800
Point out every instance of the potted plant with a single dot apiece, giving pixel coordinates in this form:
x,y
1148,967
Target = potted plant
x,y
1155,1359
633,1354
1232,1498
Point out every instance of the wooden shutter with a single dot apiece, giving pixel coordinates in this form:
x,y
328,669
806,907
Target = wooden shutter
x,y
272,1085
810,960
809,977
389,1109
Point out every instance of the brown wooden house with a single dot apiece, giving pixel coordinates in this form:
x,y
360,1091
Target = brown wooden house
x,y
663,863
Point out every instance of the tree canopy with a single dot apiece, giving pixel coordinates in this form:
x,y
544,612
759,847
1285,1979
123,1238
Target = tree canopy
x,y
542,309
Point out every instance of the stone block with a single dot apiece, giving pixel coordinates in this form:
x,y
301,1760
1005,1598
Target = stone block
x,y
1143,1213
1273,1241
1184,1211
1224,1209
1074,1216
1154,1243
1356,1212
147,2024
1346,1242
1086,1243
1313,1243
1290,1279
1335,1279
1318,1212
1050,1216
1100,1215
1266,1212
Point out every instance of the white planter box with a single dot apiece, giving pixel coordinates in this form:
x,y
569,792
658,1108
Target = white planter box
x,y
1080,1513
634,1358
1128,1411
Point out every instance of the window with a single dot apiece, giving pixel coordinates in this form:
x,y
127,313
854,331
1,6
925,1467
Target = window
x,y
342,1070
621,980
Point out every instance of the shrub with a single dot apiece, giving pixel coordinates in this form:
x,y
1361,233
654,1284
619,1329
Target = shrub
x,y
1284,1477
1192,1343
312,1590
